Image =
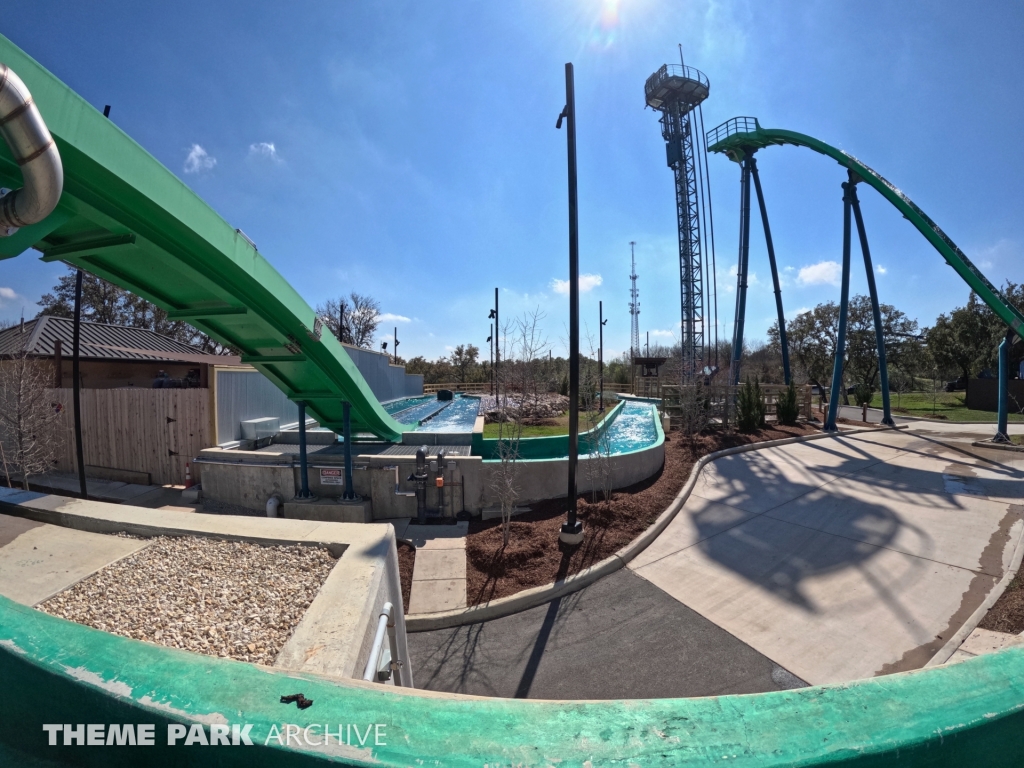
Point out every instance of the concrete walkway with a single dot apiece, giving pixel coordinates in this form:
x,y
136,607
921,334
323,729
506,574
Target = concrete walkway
x,y
37,560
844,558
439,576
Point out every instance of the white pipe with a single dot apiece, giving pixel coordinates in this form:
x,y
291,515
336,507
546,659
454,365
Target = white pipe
x,y
370,672
273,505
34,150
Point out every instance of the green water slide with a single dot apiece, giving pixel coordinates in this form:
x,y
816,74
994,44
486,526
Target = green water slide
x,y
125,217
742,135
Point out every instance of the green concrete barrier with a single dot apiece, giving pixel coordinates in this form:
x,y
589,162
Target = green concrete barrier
x,y
56,672
548,447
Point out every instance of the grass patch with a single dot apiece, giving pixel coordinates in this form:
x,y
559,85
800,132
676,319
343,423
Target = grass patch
x,y
948,406
555,426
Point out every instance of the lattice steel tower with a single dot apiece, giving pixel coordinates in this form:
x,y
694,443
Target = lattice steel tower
x,y
634,307
677,92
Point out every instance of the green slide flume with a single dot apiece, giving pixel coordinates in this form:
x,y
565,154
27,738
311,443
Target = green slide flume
x,y
742,135
126,218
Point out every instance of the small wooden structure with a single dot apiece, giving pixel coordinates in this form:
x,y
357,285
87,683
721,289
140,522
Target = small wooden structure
x,y
647,376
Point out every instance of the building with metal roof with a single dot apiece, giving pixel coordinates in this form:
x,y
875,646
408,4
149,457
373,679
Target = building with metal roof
x,y
111,355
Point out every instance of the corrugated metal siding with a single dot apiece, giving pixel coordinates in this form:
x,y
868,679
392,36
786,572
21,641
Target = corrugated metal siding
x,y
386,381
244,395
96,342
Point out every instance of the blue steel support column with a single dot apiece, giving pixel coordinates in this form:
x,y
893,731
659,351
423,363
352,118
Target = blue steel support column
x,y
741,274
1004,376
346,411
303,468
883,367
844,306
775,270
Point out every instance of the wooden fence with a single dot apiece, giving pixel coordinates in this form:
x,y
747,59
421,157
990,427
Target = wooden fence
x,y
148,431
722,400
476,387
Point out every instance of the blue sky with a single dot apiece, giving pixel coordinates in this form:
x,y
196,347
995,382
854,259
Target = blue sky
x,y
408,150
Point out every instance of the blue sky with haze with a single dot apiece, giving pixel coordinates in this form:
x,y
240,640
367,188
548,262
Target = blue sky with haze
x,y
408,150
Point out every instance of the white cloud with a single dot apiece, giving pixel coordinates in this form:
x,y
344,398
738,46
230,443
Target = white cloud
x,y
587,283
881,270
198,160
663,334
388,317
7,294
820,273
265,149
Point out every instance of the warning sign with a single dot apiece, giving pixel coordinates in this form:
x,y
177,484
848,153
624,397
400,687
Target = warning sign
x,y
331,477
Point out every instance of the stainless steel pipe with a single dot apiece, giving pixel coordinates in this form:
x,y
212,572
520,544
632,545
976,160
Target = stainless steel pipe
x,y
35,152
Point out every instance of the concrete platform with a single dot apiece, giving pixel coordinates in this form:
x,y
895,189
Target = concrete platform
x,y
335,634
439,576
328,510
37,560
846,558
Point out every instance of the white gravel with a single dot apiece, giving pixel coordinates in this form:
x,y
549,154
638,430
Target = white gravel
x,y
231,599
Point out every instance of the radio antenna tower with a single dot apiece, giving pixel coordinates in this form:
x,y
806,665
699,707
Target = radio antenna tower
x,y
677,91
634,307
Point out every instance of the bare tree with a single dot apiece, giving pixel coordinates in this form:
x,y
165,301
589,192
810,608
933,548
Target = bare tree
x,y
352,320
597,466
31,417
522,344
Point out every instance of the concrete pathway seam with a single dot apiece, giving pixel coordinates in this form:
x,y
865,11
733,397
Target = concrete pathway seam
x,y
530,598
972,623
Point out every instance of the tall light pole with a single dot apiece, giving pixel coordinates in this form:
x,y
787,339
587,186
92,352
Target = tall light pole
x,y
572,530
490,342
495,330
601,322
395,348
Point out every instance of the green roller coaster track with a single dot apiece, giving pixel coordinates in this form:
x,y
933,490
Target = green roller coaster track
x,y
743,135
126,218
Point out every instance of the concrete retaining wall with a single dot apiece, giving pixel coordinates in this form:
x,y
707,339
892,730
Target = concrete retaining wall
x,y
335,635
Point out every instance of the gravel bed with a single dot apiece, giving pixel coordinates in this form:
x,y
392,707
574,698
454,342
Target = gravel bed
x,y
231,599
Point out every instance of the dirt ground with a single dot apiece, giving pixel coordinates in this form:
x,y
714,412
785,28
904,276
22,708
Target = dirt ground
x,y
535,556
406,562
1007,615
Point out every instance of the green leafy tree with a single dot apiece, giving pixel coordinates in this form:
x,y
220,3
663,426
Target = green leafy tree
x,y
787,408
464,363
750,406
104,302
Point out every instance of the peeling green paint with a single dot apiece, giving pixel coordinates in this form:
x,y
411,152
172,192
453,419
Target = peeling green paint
x,y
970,713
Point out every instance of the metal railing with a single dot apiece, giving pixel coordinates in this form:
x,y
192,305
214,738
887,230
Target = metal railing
x,y
454,386
371,672
668,71
732,126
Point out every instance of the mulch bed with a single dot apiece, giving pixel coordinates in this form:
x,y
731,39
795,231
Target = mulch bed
x,y
535,556
1007,615
406,562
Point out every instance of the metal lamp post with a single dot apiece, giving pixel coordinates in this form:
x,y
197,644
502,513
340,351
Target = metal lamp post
x,y
395,348
572,530
490,342
601,322
495,329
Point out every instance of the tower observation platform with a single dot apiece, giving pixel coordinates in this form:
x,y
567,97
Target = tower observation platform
x,y
677,92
